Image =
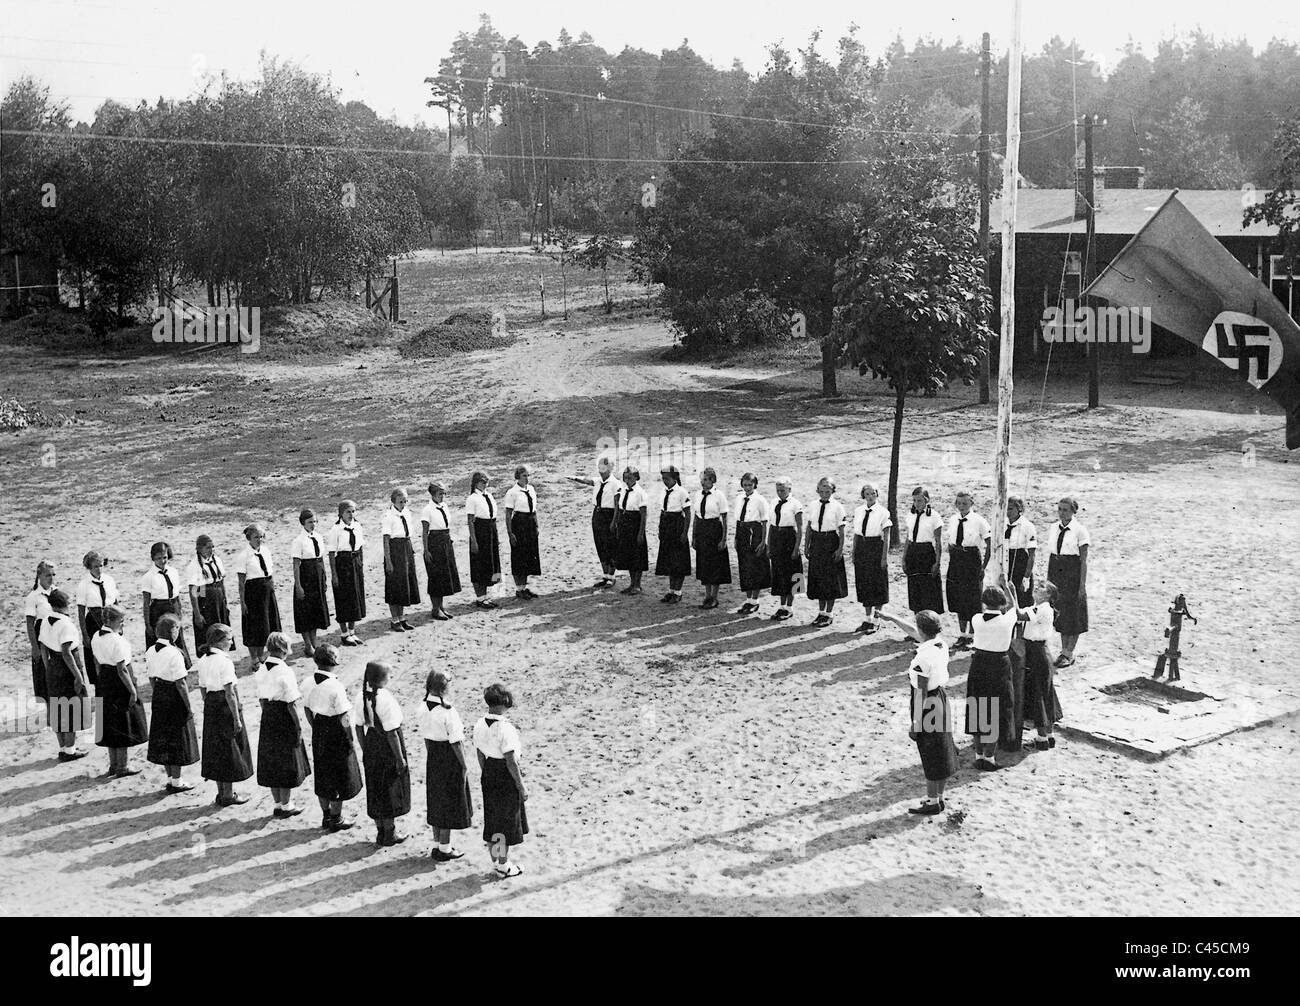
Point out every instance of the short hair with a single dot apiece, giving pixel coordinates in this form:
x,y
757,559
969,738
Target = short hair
x,y
278,643
254,528
1069,501
436,683
928,623
57,599
828,480
784,480
521,470
993,597
862,493
921,491
749,477
967,493
160,546
166,627
1016,500
1052,592
113,614
218,635
672,470
498,695
346,505
475,478
604,461
326,655
710,473
634,471
91,557
436,487
399,491
304,514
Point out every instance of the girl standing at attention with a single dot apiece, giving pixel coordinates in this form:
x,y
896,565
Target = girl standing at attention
x,y
751,543
439,553
921,555
338,776
388,772
484,542
1067,567
521,525
968,555
160,593
68,708
347,572
602,521
505,818
95,592
122,723
259,613
783,543
207,582
36,607
173,741
824,548
311,609
226,756
871,524
631,552
446,780
401,586
282,763
674,559
709,536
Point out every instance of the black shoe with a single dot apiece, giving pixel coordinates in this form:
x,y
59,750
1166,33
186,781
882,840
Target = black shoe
x,y
666,599
674,599
350,641
1045,743
445,857
72,755
123,773
407,626
987,766
439,616
927,809
338,824
231,801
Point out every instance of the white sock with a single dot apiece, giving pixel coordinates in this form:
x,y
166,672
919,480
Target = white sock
x,y
502,867
677,592
444,847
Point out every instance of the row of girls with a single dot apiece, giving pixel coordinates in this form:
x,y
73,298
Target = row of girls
x,y
775,538
347,739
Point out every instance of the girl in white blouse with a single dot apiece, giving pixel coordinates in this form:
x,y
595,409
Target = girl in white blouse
x,y
226,755
446,778
709,538
96,591
603,492
207,582
401,585
783,543
674,558
387,769
160,593
521,525
1067,567
36,606
505,816
122,721
282,763
871,524
630,550
311,609
990,692
1041,703
259,611
824,548
338,776
68,707
173,740
968,556
439,554
484,541
347,572
921,549
751,543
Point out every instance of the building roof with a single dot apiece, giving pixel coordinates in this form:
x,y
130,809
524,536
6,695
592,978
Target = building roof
x,y
1124,211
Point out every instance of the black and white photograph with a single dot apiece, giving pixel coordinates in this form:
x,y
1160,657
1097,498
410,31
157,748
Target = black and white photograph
x,y
589,459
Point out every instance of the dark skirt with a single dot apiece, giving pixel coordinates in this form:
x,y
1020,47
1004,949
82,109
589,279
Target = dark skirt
x,y
989,701
504,813
602,533
337,776
828,579
440,565
965,582
68,707
485,564
924,589
388,785
870,579
121,722
630,550
39,688
1041,703
935,742
156,611
785,560
350,592
312,610
1016,657
674,559
446,787
172,737
261,614
94,622
281,751
401,585
712,564
755,570
1072,601
525,555
213,607
226,754
1020,568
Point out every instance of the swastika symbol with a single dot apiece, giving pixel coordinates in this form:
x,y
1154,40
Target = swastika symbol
x,y
1233,347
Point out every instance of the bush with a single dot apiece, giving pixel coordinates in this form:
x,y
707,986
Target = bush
x,y
16,416
727,320
462,332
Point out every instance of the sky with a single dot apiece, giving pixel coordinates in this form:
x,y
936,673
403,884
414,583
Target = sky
x,y
90,50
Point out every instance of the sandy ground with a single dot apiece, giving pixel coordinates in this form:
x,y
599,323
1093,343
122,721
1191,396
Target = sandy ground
x,y
679,761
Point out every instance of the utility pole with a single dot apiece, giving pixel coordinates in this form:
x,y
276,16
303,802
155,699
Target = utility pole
x,y
1090,260
984,201
546,169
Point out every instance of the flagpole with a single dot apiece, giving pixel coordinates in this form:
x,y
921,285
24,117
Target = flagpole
x,y
1010,172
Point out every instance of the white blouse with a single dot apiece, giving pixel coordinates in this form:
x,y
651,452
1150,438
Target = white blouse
x,y
435,515
88,594
977,529
674,500
922,526
604,491
164,662
631,499
275,682
992,630
341,541
931,660
247,563
202,572
110,648
388,714
784,511
58,629
159,587
397,523
37,603
1076,535
441,723
1039,626
711,505
480,505
328,697
496,736
830,518
1023,534
871,521
215,671
751,508
309,546
520,499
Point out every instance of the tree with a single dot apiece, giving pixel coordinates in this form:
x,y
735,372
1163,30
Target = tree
x,y
1186,154
565,242
1281,206
911,304
598,252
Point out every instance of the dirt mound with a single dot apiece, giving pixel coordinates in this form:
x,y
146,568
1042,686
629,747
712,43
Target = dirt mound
x,y
14,415
462,332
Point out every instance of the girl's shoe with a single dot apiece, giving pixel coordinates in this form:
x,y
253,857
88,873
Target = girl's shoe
x,y
1045,743
397,626
350,641
230,801
511,871
407,626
